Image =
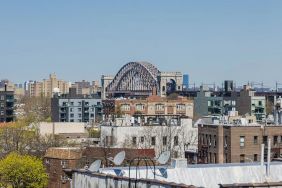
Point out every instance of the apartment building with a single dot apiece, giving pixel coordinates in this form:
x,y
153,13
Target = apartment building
x,y
214,103
160,133
46,87
232,143
152,105
76,108
6,105
248,103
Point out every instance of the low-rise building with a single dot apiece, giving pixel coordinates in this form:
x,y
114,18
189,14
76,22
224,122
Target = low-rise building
x,y
152,105
161,133
57,160
182,176
73,132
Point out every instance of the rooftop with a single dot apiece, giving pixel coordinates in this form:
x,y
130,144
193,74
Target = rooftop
x,y
203,175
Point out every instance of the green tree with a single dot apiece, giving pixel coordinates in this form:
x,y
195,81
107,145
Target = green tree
x,y
22,171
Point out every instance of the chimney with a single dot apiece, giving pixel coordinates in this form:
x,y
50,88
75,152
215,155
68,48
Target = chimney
x,y
5,86
154,91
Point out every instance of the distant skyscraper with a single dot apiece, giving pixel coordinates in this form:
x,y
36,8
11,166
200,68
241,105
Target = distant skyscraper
x,y
228,86
185,81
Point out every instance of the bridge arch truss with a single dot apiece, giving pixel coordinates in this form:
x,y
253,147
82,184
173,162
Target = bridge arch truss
x,y
135,77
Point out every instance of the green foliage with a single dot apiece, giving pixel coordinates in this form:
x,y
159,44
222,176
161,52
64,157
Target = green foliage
x,y
21,138
22,171
94,133
119,112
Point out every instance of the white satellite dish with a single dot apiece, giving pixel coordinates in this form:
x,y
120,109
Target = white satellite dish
x,y
95,166
164,157
118,159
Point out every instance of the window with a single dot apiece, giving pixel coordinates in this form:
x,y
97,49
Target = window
x,y
255,157
71,103
209,103
2,105
92,109
260,103
242,141
181,107
265,139
275,140
79,103
242,158
140,107
134,140
176,140
2,113
86,103
142,139
64,163
2,97
210,141
225,141
71,115
153,141
159,107
79,115
71,109
255,139
71,120
125,107
92,115
214,141
79,109
164,140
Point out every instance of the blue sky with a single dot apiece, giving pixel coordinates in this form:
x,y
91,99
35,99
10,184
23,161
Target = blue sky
x,y
210,40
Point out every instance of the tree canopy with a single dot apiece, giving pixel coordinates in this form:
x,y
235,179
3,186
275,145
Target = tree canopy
x,y
22,171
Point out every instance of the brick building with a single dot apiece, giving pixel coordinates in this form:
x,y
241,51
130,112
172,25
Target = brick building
x,y
237,143
152,105
57,160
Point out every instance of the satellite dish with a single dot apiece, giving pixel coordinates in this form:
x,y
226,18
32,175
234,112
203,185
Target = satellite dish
x,y
119,158
164,157
95,166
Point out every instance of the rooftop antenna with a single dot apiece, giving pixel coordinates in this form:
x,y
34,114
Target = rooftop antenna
x,y
95,166
118,160
163,160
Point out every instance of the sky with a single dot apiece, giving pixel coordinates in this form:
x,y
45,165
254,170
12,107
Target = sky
x,y
212,41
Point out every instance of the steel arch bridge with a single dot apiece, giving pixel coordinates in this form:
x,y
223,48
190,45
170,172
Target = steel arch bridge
x,y
135,77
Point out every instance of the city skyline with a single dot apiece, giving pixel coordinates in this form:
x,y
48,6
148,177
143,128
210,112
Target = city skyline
x,y
211,41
